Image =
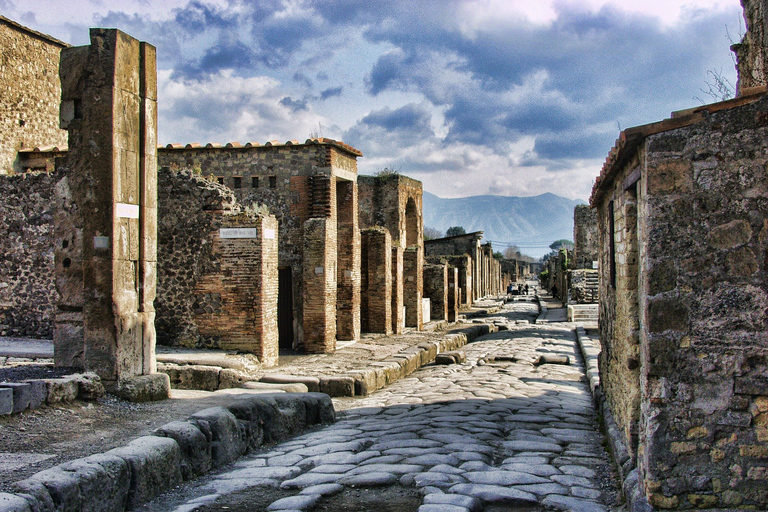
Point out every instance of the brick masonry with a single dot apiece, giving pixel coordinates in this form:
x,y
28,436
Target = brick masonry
x,y
376,270
29,115
436,290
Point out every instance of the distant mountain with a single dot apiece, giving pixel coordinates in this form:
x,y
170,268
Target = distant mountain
x,y
531,223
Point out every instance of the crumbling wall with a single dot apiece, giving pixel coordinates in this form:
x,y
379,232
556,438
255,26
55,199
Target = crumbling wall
x,y
705,311
751,50
436,290
585,237
27,293
217,269
30,91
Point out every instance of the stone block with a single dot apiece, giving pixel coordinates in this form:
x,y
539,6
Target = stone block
x,y
312,383
337,385
13,503
227,443
155,464
22,394
271,418
61,390
144,388
365,381
293,412
195,447
248,419
205,378
275,388
6,401
89,386
319,408
104,481
52,489
229,378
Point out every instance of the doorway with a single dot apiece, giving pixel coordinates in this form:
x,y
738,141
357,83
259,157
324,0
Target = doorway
x,y
285,308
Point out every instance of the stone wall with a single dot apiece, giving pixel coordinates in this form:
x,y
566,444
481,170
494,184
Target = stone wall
x,y
30,92
213,291
751,52
27,295
585,237
298,183
684,317
376,283
436,290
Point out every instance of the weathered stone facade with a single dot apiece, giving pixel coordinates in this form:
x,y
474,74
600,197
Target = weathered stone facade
x,y
29,114
436,290
683,226
217,269
112,184
27,295
394,202
312,190
586,242
751,52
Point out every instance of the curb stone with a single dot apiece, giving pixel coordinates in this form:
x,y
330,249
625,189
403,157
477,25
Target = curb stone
x,y
636,499
126,477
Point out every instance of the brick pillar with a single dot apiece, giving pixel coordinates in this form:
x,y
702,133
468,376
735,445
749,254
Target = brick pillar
x,y
236,303
377,295
109,106
348,249
319,286
454,294
436,290
398,319
413,264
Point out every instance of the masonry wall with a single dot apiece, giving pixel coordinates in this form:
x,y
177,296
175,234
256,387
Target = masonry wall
x,y
376,283
30,92
705,312
436,290
751,50
585,237
214,292
297,182
27,295
619,309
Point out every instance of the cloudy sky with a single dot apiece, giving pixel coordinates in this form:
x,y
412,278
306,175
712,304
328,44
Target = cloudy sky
x,y
504,97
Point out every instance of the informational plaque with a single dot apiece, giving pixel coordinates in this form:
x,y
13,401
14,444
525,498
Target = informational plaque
x,y
127,211
238,233
269,234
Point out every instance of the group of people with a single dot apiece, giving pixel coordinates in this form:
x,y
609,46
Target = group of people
x,y
522,289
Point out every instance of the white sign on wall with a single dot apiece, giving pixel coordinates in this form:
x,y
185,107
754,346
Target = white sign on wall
x,y
127,211
238,233
269,234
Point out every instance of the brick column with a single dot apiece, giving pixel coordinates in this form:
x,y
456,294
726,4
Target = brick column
x,y
413,264
348,243
109,106
436,290
377,268
454,293
398,319
319,286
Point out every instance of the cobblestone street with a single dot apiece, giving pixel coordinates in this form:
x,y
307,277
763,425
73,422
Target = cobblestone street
x,y
499,432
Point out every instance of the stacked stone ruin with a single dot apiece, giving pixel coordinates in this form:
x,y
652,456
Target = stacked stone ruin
x,y
683,227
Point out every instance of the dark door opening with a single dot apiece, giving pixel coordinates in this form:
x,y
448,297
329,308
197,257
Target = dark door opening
x,y
285,308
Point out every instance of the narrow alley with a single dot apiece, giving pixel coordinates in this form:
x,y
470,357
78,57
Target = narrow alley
x,y
505,430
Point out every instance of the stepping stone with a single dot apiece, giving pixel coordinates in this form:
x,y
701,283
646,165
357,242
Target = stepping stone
x,y
300,502
372,479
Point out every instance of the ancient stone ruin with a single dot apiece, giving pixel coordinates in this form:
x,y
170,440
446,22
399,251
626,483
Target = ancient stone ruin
x,y
683,227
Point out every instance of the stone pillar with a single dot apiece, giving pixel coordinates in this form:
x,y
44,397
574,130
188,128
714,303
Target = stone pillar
x,y
376,303
454,294
348,243
752,52
109,106
398,319
413,264
436,290
319,285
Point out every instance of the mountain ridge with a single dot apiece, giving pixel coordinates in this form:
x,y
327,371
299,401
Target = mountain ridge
x,y
530,222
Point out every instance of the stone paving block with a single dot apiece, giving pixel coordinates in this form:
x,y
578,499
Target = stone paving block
x,y
104,481
442,508
365,381
62,488
155,467
300,502
227,443
35,493
13,503
22,394
495,494
312,383
61,390
337,386
6,401
194,445
372,479
308,480
323,489
504,478
468,502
